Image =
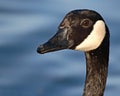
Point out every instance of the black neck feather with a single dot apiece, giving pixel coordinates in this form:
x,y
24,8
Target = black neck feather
x,y
97,69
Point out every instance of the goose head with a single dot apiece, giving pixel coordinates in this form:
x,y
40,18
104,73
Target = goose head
x,y
82,30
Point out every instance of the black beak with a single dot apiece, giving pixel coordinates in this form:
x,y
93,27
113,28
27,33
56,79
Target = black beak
x,y
58,42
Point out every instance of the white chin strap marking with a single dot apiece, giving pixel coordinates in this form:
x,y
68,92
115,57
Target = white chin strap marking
x,y
94,39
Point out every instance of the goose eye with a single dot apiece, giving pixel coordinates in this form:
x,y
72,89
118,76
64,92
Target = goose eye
x,y
86,23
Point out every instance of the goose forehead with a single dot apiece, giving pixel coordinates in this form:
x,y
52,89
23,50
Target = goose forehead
x,y
71,21
64,23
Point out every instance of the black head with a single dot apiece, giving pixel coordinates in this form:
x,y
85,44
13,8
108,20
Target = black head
x,y
80,30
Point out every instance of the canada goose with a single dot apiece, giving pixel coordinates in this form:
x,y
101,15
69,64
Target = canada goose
x,y
85,30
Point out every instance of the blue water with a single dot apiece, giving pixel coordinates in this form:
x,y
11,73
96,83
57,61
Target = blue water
x,y
24,24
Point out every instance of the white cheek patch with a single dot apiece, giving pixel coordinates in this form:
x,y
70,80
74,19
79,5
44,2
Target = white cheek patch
x,y
94,39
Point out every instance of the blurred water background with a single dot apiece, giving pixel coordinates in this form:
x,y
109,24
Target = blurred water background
x,y
24,24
